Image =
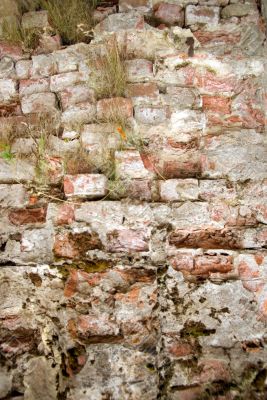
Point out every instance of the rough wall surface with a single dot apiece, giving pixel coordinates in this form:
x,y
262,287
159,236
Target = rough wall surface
x,y
157,288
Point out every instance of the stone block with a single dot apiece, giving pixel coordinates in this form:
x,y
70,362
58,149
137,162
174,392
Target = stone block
x,y
201,15
13,196
14,172
121,21
39,103
181,98
32,86
125,5
74,245
89,186
27,216
179,189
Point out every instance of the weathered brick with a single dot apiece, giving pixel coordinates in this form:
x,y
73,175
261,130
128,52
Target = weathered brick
x,y
120,21
179,189
150,115
126,5
82,113
129,165
169,14
108,109
142,90
201,15
8,90
76,94
28,216
75,245
60,82
85,185
217,104
139,70
31,86
38,103
235,10
23,69
43,66
95,329
127,240
7,69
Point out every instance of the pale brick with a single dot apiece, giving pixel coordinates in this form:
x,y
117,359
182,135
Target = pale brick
x,y
150,115
23,69
90,186
7,69
43,66
82,113
60,82
179,189
31,86
76,94
38,103
139,70
129,165
202,15
8,90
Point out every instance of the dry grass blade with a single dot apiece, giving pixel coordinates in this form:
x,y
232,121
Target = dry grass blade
x,y
72,19
108,76
15,34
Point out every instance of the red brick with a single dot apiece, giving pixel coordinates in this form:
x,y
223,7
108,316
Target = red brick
x,y
75,245
85,185
95,329
218,36
142,90
178,169
28,216
213,370
65,214
217,104
206,238
12,51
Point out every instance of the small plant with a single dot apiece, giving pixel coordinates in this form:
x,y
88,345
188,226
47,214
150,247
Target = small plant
x,y
72,19
6,154
108,77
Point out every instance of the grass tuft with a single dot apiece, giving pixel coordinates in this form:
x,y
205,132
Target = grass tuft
x,y
108,76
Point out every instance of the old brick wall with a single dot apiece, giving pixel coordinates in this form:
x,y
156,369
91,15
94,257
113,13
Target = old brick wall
x,y
150,282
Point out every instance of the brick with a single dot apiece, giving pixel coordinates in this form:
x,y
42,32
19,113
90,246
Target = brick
x,y
95,329
207,238
31,86
125,5
11,50
181,98
213,370
48,44
7,69
76,94
212,190
60,82
75,245
188,165
38,103
120,21
35,19
127,240
142,90
19,171
201,15
65,215
129,165
8,90
217,104
187,121
82,113
23,69
245,154
28,216
169,14
43,66
139,70
150,115
90,186
179,189
13,195
107,109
